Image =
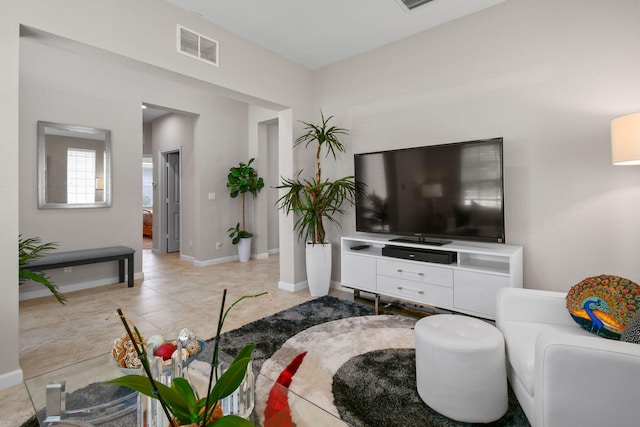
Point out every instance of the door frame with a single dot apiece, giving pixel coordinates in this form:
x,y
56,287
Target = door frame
x,y
162,197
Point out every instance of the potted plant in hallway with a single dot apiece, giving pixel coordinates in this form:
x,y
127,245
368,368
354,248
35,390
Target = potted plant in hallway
x,y
243,179
30,249
313,200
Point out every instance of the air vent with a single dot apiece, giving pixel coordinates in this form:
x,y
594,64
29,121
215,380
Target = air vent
x,y
412,4
197,46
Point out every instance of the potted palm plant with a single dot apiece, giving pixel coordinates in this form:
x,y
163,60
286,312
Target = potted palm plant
x,y
31,249
243,179
314,200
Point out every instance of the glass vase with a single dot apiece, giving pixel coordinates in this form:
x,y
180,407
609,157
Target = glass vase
x,y
241,402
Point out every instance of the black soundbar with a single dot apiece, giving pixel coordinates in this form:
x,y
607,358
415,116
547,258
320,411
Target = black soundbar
x,y
418,254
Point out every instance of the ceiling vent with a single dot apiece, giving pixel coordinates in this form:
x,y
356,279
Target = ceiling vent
x,y
412,4
197,46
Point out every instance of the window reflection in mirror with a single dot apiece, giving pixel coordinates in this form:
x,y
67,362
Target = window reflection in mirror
x,y
74,166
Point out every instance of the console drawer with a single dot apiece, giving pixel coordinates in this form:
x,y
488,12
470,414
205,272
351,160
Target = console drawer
x,y
416,271
416,291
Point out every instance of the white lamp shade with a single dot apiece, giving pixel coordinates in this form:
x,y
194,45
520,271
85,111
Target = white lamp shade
x,y
625,140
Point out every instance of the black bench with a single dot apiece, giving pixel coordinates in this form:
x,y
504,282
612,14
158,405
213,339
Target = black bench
x,y
61,259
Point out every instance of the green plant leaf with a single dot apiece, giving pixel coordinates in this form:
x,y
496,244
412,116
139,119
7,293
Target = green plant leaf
x,y
244,179
30,249
41,278
312,200
230,380
177,404
245,351
182,387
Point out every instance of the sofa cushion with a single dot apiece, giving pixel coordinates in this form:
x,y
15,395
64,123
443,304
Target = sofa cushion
x,y
520,339
604,305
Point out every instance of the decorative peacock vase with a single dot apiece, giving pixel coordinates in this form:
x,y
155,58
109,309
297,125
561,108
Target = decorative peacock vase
x,y
604,304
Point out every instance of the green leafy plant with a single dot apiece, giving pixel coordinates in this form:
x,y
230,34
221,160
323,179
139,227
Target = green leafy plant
x,y
236,234
312,199
31,249
179,401
243,179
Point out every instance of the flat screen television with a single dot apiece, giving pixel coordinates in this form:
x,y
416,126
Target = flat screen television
x,y
433,194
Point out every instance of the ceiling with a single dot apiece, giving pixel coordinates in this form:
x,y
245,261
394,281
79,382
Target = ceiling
x,y
316,33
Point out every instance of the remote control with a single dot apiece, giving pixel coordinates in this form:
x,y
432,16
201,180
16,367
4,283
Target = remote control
x,y
359,247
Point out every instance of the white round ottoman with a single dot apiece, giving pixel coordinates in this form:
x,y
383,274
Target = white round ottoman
x,y
460,367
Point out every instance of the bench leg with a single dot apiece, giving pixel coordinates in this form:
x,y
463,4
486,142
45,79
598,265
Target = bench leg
x,y
130,272
121,270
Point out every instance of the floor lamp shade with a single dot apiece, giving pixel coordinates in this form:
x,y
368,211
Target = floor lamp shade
x,y
625,140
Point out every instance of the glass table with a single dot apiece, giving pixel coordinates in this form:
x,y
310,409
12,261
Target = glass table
x,y
98,369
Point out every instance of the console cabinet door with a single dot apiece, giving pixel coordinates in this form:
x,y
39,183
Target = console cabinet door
x,y
476,292
359,271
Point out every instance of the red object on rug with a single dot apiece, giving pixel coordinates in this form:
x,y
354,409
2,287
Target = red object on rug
x,y
277,413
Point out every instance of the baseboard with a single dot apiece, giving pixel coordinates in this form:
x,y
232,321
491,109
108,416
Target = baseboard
x,y
186,258
338,286
274,251
232,258
10,379
39,293
215,261
305,285
293,287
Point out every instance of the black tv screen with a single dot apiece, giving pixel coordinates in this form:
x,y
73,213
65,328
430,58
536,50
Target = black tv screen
x,y
442,192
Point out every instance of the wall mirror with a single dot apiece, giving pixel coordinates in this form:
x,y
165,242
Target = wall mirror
x,y
74,166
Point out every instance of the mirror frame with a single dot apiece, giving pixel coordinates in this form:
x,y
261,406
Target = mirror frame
x,y
77,132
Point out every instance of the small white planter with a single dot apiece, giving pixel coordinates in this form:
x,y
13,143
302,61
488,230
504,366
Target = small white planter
x,y
319,268
244,249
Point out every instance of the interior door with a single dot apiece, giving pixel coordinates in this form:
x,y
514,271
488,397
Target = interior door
x,y
173,202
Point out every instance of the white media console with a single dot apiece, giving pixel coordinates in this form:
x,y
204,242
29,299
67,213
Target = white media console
x,y
465,276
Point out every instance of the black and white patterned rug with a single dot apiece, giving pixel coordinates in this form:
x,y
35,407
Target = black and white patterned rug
x,y
358,366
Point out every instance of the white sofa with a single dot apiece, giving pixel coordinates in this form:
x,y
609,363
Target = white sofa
x,y
562,375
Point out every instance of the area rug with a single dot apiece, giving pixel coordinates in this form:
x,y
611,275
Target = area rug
x,y
361,370
348,366
271,332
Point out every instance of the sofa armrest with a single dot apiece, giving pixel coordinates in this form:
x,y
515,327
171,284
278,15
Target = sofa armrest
x,y
532,305
582,380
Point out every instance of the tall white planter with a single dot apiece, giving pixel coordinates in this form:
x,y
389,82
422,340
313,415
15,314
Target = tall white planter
x,y
244,249
319,268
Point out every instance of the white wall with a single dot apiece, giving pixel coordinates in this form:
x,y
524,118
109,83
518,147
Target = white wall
x,y
212,138
147,142
10,372
145,31
224,139
170,133
272,180
60,86
546,75
261,210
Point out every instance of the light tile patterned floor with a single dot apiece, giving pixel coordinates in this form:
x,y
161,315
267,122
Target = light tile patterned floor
x,y
174,294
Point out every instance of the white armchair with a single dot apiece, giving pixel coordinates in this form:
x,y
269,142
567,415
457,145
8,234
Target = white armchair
x,y
561,374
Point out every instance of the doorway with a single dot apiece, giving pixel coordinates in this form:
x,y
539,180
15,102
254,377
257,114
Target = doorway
x,y
169,192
